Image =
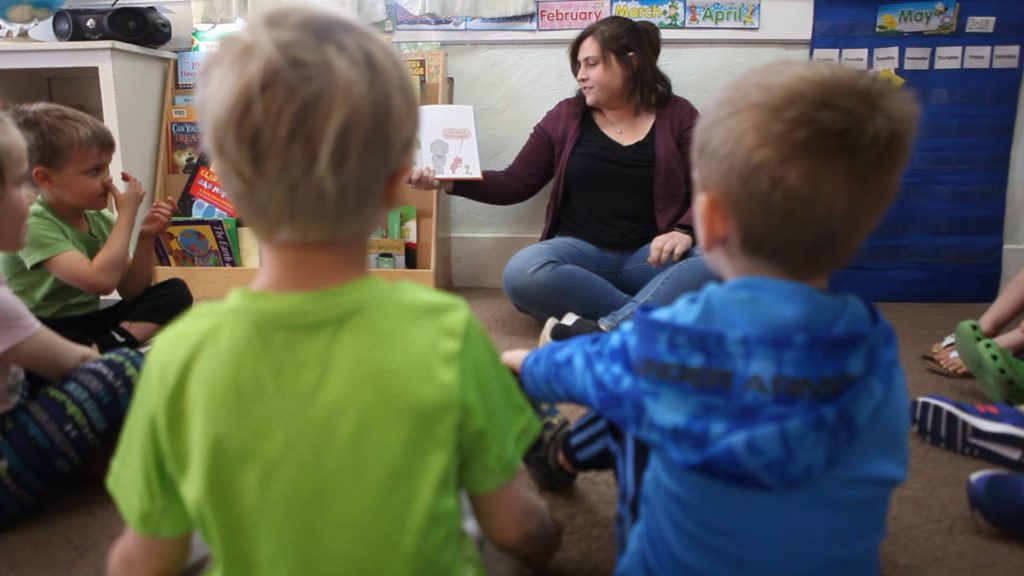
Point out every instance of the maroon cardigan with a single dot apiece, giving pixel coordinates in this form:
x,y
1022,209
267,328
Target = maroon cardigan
x,y
546,154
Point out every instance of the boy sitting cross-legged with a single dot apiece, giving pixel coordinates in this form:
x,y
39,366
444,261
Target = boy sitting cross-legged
x,y
77,251
770,412
321,421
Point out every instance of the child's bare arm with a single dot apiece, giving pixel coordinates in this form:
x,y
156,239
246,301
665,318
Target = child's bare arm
x,y
139,275
137,555
518,521
103,273
48,353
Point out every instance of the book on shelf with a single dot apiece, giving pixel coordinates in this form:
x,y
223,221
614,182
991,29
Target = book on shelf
x,y
447,142
198,242
203,196
183,140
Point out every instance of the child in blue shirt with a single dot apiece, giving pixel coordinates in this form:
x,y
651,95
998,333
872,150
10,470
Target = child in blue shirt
x,y
770,413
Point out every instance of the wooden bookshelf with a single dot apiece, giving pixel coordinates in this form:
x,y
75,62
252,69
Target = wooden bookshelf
x,y
433,250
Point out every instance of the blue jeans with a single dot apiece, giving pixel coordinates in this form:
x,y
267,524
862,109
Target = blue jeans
x,y
566,274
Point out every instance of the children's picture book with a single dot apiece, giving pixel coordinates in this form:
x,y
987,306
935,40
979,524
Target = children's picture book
x,y
189,64
184,140
203,196
447,142
386,253
745,14
196,242
429,52
663,13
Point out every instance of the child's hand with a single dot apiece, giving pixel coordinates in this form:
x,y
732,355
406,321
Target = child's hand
x,y
128,202
514,359
158,218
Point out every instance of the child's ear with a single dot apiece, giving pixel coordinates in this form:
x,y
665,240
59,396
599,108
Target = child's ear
x,y
713,223
43,177
395,182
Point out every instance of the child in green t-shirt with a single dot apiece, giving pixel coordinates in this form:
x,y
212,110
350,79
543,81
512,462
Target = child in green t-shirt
x,y
321,420
77,250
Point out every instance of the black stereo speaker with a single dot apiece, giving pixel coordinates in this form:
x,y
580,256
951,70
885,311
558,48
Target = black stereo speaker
x,y
141,25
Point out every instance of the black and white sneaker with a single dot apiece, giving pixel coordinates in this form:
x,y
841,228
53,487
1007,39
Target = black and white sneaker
x,y
569,326
993,432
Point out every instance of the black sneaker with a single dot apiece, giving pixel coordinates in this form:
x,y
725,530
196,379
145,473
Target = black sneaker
x,y
541,459
569,326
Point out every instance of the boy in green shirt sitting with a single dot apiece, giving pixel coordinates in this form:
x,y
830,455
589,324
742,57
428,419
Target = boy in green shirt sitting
x,y
321,421
77,250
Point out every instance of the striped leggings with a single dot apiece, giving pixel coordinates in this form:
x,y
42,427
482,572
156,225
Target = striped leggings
x,y
597,444
53,430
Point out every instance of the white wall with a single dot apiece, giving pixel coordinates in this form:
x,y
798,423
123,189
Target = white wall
x,y
1013,228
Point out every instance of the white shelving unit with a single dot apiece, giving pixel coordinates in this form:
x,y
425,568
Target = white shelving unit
x,y
121,84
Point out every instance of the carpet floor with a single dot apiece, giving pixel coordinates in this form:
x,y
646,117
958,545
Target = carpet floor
x,y
931,531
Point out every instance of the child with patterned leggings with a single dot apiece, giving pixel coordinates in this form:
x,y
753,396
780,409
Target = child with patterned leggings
x,y
46,436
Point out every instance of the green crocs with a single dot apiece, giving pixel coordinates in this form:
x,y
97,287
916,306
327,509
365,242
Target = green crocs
x,y
968,336
1001,375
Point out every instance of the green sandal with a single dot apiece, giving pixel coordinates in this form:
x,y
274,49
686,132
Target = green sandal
x,y
1001,376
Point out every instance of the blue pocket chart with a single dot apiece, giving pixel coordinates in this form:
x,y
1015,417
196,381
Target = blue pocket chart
x,y
942,239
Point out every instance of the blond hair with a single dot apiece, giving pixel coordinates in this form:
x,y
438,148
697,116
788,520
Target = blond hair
x,y
806,157
54,132
12,154
307,114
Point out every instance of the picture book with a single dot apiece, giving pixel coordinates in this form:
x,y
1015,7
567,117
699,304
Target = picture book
x,y
184,140
447,142
387,253
188,68
203,196
195,242
429,52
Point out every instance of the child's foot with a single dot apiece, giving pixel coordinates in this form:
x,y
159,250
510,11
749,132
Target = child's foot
x,y
999,373
541,459
997,496
993,432
569,326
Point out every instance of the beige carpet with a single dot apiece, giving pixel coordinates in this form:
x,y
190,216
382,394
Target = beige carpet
x,y
931,531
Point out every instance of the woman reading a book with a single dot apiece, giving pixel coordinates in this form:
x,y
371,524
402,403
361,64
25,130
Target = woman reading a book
x,y
618,231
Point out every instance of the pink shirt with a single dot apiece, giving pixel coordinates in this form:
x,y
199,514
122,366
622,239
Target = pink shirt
x,y
16,325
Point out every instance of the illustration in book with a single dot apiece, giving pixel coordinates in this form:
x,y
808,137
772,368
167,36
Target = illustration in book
x,y
203,195
195,242
447,142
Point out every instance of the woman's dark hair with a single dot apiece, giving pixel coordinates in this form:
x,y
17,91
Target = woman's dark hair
x,y
618,37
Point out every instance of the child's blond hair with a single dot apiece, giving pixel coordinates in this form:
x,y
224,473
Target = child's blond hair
x,y
53,132
307,114
806,158
12,154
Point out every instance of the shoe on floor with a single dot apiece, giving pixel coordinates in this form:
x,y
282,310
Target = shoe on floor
x,y
568,326
541,460
993,432
1000,374
997,496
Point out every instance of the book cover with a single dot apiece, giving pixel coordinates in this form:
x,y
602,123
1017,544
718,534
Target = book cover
x,y
203,196
184,140
447,142
195,242
386,253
